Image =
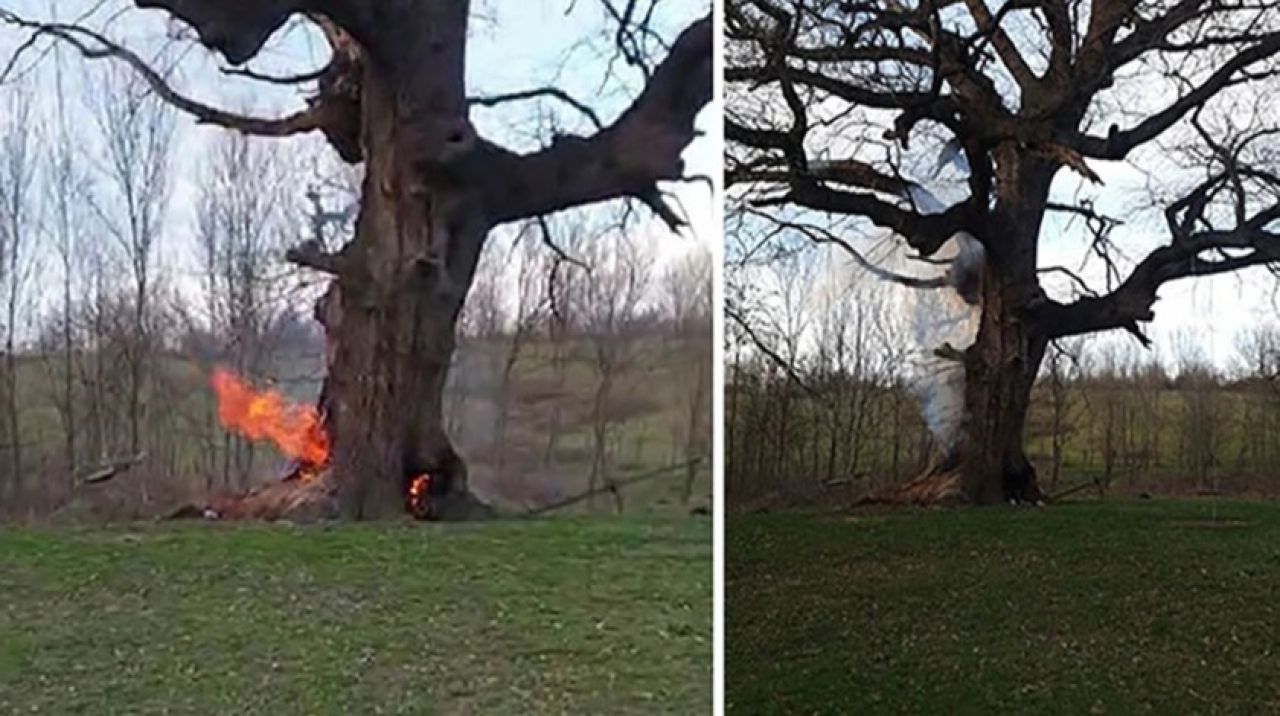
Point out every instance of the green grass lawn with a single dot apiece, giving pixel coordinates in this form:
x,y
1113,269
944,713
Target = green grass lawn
x,y
514,617
1121,607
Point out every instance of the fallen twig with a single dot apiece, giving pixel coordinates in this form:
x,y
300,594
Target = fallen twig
x,y
611,487
111,469
1073,490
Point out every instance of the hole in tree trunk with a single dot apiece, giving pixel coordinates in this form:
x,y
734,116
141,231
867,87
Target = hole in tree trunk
x,y
423,492
418,496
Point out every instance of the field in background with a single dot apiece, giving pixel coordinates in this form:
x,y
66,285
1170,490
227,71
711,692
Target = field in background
x,y
649,415
541,616
1157,435
188,453
1094,607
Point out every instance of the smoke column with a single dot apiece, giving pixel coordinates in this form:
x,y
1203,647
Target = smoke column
x,y
942,309
949,316
945,317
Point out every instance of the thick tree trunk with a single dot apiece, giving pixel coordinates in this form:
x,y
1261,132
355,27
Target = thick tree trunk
x,y
391,337
1000,367
987,464
1000,370
384,397
390,315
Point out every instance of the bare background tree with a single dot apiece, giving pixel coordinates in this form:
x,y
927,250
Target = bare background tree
x,y
687,289
131,202
66,187
621,272
18,223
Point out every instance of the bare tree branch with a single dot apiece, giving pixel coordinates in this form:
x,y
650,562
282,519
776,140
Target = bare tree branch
x,y
94,45
552,92
626,159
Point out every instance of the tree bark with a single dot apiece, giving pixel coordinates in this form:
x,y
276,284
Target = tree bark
x,y
987,463
1001,366
391,313
1000,370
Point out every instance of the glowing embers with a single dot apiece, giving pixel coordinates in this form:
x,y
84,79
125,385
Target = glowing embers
x,y
418,497
294,429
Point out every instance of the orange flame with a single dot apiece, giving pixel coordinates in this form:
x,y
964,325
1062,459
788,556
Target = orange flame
x,y
295,430
418,504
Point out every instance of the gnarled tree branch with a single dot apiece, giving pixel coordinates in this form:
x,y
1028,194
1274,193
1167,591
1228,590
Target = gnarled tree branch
x,y
625,159
94,45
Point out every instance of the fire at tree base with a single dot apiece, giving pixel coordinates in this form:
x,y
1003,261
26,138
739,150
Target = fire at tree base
x,y
315,498
308,491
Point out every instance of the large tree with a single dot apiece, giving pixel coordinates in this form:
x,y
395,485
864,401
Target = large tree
x,y
394,97
842,109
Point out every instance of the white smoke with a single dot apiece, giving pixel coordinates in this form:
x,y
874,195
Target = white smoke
x,y
946,317
941,296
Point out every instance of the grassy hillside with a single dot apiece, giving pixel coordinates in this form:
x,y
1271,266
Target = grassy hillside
x,y
1116,607
573,615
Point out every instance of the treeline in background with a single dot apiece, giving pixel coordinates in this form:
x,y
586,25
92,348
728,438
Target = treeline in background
x,y
823,404
138,252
